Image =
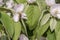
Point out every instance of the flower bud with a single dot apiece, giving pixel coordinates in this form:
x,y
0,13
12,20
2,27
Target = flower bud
x,y
16,17
19,8
55,10
23,37
31,1
23,16
50,2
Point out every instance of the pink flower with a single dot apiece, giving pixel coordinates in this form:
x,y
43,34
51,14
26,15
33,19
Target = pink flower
x,y
55,10
19,8
23,37
50,2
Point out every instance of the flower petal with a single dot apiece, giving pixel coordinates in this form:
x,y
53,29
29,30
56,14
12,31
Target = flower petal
x,y
16,17
50,2
19,8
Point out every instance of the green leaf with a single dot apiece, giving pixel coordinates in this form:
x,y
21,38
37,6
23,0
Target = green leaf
x,y
7,23
20,1
50,35
45,18
4,37
1,27
57,27
41,30
42,7
42,14
17,32
53,24
33,37
41,4
58,36
24,29
57,30
33,14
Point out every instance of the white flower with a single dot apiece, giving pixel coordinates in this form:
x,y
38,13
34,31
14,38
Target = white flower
x,y
58,15
16,17
23,37
9,4
19,8
50,2
55,10
23,16
1,2
31,1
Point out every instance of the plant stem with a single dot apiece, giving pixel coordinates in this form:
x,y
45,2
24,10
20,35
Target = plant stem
x,y
24,26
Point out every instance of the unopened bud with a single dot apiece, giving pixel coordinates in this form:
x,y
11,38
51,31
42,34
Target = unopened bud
x,y
23,16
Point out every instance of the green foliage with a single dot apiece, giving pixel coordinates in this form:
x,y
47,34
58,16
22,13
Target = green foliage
x,y
45,18
50,35
20,1
39,21
7,23
57,30
42,30
53,24
32,13
17,32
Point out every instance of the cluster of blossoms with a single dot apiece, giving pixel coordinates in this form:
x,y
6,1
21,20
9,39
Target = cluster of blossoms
x,y
17,8
54,8
18,11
